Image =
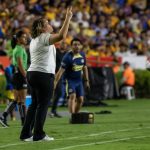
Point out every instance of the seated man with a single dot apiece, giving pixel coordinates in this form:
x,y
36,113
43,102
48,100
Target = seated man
x,y
128,77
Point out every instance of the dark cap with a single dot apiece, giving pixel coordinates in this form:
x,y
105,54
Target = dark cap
x,y
126,63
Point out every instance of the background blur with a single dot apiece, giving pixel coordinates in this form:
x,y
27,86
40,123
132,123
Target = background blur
x,y
107,27
112,32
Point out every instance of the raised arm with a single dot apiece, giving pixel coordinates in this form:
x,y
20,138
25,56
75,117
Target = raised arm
x,y
64,29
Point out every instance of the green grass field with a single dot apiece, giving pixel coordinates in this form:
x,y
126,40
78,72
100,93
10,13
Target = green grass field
x,y
127,128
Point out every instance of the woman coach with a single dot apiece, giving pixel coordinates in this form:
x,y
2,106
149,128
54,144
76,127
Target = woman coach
x,y
40,75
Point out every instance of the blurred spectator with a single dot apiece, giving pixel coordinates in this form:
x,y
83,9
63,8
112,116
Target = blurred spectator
x,y
9,93
124,21
2,71
97,38
2,50
128,76
2,84
61,89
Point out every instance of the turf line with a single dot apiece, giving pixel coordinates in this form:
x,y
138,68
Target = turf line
x,y
76,137
3,127
103,133
100,143
11,127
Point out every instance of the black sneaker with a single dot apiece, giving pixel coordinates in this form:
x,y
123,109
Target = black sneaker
x,y
57,115
3,122
52,115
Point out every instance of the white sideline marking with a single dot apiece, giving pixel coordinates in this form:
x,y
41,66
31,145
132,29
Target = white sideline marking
x,y
11,126
103,133
76,137
3,127
103,142
9,145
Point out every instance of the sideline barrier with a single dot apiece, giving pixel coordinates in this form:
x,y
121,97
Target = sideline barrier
x,y
4,60
136,62
95,61
103,84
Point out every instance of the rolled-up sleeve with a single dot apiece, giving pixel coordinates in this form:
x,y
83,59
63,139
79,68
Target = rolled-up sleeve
x,y
65,62
44,38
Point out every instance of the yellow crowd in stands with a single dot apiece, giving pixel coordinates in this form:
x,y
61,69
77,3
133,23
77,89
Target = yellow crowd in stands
x,y
105,27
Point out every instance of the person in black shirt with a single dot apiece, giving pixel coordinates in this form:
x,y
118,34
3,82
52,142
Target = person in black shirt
x,y
60,52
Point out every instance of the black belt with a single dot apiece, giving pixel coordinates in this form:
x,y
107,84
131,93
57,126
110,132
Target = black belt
x,y
52,75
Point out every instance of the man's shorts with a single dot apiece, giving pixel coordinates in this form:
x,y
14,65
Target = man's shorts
x,y
75,87
19,81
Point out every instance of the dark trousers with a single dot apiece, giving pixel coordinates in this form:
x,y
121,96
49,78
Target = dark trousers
x,y
41,86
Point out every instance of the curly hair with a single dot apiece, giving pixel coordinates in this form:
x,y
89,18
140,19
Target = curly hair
x,y
37,26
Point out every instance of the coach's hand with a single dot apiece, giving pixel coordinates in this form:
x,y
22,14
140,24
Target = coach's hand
x,y
87,85
69,12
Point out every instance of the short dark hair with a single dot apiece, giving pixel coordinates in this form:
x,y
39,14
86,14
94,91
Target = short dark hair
x,y
15,37
76,39
126,63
